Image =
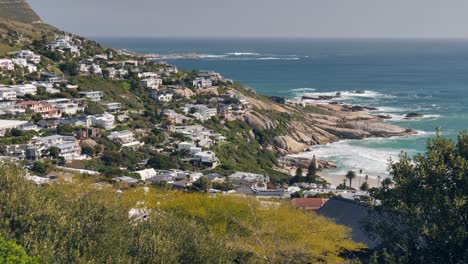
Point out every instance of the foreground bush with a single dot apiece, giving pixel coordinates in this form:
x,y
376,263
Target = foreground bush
x,y
81,223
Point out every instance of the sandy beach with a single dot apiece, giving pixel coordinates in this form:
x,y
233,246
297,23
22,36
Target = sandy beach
x,y
338,179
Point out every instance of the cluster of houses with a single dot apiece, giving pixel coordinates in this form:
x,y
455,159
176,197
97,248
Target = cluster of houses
x,y
24,59
194,142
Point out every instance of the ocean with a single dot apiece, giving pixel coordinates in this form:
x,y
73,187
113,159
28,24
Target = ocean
x,y
429,77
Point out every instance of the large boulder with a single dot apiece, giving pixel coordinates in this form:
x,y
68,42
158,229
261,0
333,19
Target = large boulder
x,y
289,144
258,122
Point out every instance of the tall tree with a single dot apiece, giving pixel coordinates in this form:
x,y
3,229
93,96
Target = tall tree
x,y
311,176
428,203
350,176
299,172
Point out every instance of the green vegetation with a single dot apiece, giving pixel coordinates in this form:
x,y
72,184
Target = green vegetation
x,y
75,222
242,152
428,204
11,253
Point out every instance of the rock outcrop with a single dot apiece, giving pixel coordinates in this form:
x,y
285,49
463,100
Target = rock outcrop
x,y
183,93
317,124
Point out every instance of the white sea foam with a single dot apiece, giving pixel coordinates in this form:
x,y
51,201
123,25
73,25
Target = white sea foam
x,y
277,58
214,56
243,54
304,89
398,117
349,157
356,155
349,95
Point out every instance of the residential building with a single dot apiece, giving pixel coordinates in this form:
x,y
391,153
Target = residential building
x,y
68,108
62,44
145,75
125,179
45,109
207,157
95,96
308,204
107,121
162,96
172,117
7,65
24,89
53,77
126,138
202,83
7,94
247,178
113,106
185,146
6,125
29,55
20,62
200,111
152,83
146,174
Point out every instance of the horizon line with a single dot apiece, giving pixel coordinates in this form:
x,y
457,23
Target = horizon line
x,y
273,37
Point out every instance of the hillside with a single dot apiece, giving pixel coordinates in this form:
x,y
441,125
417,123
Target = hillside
x,y
18,10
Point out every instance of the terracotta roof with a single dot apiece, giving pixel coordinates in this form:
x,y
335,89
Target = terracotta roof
x,y
29,103
314,203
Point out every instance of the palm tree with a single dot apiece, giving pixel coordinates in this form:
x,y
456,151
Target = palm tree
x,y
350,175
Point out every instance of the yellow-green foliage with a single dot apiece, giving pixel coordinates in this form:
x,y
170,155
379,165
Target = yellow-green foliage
x,y
263,231
79,222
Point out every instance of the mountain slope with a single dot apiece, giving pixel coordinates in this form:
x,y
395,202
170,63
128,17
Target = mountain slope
x,y
18,10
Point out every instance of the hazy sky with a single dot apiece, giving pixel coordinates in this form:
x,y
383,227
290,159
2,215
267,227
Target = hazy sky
x,y
259,18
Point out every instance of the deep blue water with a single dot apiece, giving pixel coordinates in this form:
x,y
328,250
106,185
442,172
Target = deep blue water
x,y
401,76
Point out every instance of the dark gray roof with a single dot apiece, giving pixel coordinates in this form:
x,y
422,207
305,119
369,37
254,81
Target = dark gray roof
x,y
354,215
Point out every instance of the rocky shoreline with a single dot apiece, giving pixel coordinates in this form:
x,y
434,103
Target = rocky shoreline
x,y
322,123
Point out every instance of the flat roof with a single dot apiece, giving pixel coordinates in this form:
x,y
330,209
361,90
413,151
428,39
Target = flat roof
x,y
5,124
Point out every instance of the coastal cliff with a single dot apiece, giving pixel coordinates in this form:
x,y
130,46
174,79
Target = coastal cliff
x,y
313,124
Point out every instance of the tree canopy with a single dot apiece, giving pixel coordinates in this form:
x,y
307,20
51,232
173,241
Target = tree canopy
x,y
428,204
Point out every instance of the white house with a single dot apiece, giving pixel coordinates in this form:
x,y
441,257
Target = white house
x,y
62,44
106,120
185,146
113,106
31,68
29,55
146,174
247,178
20,62
6,125
200,111
7,65
208,157
68,146
7,94
144,75
69,108
126,138
202,83
162,96
24,89
95,96
152,83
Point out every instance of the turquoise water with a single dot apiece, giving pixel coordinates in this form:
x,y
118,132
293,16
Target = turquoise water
x,y
400,76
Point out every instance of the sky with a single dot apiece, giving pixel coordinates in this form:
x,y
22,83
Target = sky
x,y
258,18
